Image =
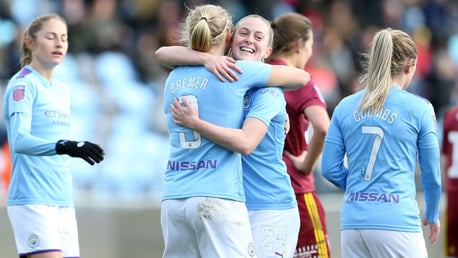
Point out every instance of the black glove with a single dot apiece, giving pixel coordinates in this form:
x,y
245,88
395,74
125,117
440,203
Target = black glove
x,y
90,152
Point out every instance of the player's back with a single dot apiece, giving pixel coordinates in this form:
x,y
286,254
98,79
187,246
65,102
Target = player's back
x,y
382,153
196,165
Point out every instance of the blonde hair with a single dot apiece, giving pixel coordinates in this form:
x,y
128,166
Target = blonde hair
x,y
205,26
289,28
389,52
31,31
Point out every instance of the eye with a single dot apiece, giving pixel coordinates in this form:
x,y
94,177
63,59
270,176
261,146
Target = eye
x,y
259,37
50,36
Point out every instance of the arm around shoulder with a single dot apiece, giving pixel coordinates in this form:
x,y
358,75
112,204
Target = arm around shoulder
x,y
180,55
288,77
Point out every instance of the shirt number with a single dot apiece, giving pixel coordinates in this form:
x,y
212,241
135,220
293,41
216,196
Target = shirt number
x,y
196,138
378,132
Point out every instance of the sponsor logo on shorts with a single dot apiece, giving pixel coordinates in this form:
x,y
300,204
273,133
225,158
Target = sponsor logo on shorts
x,y
34,241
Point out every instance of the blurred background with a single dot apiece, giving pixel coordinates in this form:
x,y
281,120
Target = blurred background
x,y
117,95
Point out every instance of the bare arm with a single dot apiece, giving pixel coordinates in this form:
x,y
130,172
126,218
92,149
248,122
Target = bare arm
x,y
223,67
243,140
288,77
319,120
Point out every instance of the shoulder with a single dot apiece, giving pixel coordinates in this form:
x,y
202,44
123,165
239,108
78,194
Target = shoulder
x,y
22,75
23,79
251,65
416,101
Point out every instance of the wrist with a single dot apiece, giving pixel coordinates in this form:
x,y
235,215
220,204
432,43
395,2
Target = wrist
x,y
60,146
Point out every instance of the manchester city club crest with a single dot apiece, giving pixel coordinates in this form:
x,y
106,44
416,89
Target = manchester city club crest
x,y
34,241
251,251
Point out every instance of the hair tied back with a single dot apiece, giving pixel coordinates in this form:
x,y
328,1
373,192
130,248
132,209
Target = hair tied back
x,y
204,18
273,25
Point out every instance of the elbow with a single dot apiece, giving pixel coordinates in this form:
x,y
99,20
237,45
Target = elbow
x,y
327,170
305,78
246,150
321,129
14,145
159,55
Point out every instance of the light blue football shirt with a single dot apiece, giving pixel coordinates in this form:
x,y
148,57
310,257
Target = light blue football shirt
x,y
266,181
196,165
37,114
382,151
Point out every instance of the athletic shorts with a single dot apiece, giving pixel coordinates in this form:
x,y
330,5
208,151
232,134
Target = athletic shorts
x,y
275,232
451,224
204,227
42,228
362,243
313,239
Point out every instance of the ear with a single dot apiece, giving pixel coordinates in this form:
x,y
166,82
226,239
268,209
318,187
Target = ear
x,y
229,36
28,41
298,45
409,66
267,53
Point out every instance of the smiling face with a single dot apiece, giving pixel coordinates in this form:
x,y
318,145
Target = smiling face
x,y
50,44
251,39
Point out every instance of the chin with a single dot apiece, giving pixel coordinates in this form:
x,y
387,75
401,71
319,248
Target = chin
x,y
249,57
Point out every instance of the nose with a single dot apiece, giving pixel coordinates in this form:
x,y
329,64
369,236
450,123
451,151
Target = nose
x,y
250,38
59,42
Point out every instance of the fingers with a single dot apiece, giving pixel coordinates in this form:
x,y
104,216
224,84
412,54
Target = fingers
x,y
88,160
218,75
184,102
227,70
176,109
433,236
230,72
434,229
224,74
423,221
94,153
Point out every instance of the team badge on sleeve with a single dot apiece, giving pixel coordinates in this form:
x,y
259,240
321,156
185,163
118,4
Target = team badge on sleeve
x,y
18,92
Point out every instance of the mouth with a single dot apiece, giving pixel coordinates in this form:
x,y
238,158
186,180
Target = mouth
x,y
247,49
57,53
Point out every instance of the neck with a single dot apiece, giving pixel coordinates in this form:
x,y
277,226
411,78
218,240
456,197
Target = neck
x,y
400,81
41,69
217,50
288,59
